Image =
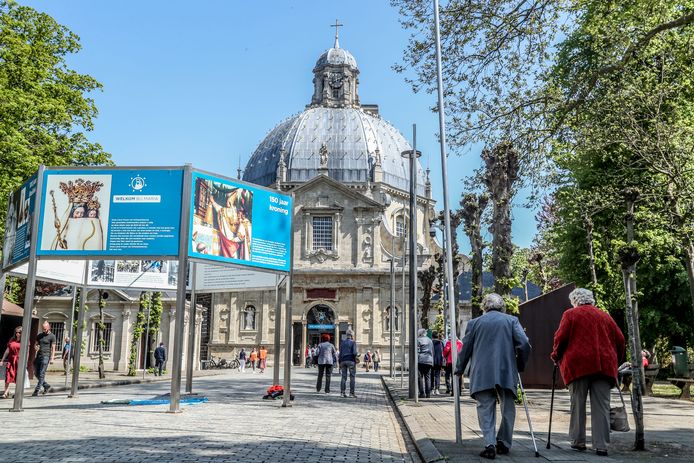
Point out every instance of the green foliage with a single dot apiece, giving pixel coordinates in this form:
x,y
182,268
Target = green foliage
x,y
138,330
44,105
438,325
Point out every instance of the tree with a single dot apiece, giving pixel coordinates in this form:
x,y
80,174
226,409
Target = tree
x,y
44,105
426,279
138,329
472,207
499,176
155,323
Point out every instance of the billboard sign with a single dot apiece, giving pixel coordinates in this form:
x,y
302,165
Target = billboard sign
x,y
140,274
110,212
233,222
18,223
210,277
59,271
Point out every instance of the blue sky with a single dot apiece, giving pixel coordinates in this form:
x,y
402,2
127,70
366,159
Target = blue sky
x,y
203,82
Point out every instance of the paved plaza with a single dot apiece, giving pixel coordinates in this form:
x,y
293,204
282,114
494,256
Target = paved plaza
x,y
669,425
236,425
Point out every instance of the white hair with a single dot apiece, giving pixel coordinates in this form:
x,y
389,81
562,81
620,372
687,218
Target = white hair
x,y
493,302
421,332
581,296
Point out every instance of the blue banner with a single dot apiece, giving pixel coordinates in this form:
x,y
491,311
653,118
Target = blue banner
x,y
110,212
241,224
320,327
20,212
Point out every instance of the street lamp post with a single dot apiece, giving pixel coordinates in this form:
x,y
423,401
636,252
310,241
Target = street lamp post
x,y
412,155
447,221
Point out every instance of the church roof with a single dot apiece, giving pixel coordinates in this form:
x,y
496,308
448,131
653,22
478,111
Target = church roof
x,y
336,56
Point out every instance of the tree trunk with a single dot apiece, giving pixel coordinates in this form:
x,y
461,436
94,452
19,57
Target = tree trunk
x,y
591,252
472,208
501,173
689,251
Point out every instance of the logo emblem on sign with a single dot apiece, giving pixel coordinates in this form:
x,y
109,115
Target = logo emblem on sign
x,y
137,183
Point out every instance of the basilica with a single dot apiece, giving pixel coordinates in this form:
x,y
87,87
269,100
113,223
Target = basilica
x,y
343,163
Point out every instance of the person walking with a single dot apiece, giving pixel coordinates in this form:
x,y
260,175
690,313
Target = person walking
x,y
262,355
497,348
307,356
376,357
425,360
438,363
253,357
67,348
587,347
242,361
160,358
326,359
45,351
367,360
348,361
11,354
448,368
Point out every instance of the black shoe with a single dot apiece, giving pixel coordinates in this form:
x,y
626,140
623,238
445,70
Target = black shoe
x,y
428,396
35,394
343,395
601,453
489,452
579,447
501,448
46,390
327,391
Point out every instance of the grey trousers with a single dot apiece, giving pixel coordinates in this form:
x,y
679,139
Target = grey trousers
x,y
599,389
486,415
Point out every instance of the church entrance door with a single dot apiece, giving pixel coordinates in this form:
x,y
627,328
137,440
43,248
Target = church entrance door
x,y
320,320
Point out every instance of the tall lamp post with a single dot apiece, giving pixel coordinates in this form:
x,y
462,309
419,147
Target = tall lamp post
x,y
412,155
447,219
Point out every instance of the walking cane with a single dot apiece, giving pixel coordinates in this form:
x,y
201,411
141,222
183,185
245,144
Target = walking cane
x,y
551,404
527,414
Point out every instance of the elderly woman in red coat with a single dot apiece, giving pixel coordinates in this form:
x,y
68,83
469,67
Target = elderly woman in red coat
x,y
587,347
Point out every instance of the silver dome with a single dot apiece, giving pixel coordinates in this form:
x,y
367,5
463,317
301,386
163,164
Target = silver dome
x,y
336,57
351,137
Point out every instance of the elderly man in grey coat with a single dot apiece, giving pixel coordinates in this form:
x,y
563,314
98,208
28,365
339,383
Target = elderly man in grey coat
x,y
497,348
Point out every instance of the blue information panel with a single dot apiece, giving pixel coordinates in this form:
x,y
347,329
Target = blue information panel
x,y
240,224
320,327
110,212
18,230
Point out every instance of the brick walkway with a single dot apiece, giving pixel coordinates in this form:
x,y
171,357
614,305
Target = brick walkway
x,y
669,425
235,425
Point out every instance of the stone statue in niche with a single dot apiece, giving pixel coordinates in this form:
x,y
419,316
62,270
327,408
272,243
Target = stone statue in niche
x,y
249,318
367,253
323,152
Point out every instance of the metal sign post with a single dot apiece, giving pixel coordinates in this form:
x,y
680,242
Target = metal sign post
x,y
80,332
286,400
145,354
184,232
191,332
278,334
447,221
70,331
28,302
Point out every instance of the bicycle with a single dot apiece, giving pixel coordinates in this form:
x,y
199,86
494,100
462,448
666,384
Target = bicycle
x,y
234,364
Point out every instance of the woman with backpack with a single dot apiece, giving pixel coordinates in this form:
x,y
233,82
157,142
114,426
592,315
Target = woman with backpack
x,y
376,357
367,360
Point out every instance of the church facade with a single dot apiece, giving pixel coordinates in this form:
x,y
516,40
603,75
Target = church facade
x,y
343,163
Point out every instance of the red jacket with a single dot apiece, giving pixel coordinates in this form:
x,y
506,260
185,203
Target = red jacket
x,y
447,354
588,342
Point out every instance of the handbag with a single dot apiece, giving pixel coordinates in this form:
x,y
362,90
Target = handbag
x,y
618,416
27,384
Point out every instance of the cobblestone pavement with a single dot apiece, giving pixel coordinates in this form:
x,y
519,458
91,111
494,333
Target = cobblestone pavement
x,y
236,425
669,429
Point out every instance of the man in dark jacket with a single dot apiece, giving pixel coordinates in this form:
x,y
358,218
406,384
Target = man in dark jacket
x,y
348,363
160,357
438,363
497,348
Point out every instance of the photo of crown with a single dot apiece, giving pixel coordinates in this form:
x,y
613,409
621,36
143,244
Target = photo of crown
x,y
81,191
93,204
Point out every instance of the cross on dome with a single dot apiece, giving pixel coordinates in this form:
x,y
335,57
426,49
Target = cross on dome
x,y
337,26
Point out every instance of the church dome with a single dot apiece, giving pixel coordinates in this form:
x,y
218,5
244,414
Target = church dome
x,y
353,138
336,57
335,135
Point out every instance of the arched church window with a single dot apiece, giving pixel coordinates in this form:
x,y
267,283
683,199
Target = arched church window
x,y
400,226
336,93
249,318
396,320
